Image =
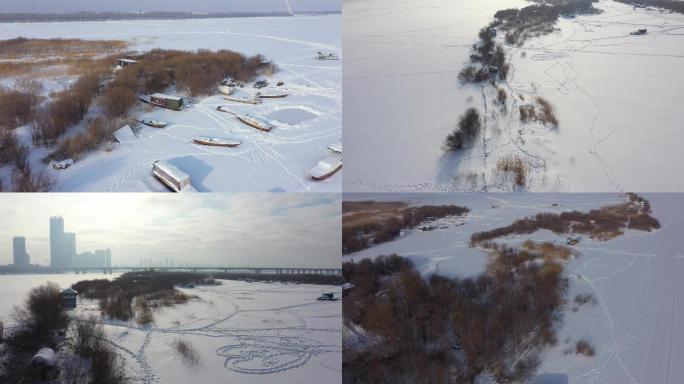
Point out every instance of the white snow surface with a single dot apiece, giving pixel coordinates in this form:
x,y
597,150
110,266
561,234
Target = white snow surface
x,y
615,95
243,333
273,161
635,278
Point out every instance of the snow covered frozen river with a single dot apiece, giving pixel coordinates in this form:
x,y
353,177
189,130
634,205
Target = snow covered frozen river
x,y
635,279
615,95
242,332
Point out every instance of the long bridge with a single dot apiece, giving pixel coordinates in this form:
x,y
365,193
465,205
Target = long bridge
x,y
248,270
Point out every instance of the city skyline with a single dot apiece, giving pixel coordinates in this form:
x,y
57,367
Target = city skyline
x,y
229,229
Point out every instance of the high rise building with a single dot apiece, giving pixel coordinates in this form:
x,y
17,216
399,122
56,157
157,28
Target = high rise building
x,y
56,241
21,258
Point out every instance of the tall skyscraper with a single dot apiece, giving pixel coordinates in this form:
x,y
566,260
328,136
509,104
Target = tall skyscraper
x,y
21,258
56,241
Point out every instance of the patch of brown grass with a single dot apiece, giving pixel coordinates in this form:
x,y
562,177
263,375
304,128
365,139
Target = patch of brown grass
x,y
542,111
514,166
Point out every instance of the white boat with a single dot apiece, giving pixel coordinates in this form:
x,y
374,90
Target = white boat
x,y
326,167
171,176
254,99
272,93
327,56
337,148
152,123
226,90
256,122
216,141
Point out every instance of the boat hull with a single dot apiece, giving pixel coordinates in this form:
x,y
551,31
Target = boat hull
x,y
216,144
326,175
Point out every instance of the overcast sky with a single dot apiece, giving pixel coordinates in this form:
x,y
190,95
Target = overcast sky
x,y
239,230
47,6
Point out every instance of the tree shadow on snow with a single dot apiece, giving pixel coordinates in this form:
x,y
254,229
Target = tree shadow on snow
x,y
447,167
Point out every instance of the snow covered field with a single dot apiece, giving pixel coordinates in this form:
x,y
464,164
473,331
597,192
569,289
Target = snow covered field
x,y
306,122
635,325
242,332
615,95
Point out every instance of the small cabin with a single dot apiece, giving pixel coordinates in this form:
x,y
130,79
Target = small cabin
x,y
125,62
167,101
69,298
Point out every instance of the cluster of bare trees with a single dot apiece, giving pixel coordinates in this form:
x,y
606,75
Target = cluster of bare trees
x,y
66,109
359,234
496,322
469,126
602,223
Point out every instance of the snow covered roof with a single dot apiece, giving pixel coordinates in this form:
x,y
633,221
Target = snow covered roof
x,y
128,61
171,170
124,134
46,356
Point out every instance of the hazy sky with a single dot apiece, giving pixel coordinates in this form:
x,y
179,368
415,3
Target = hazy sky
x,y
239,229
46,6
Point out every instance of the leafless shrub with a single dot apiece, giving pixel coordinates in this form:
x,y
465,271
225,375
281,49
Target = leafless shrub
x,y
143,312
584,348
87,336
187,351
99,131
17,108
546,114
473,74
469,126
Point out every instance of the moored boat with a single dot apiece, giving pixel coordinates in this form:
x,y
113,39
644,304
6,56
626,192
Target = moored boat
x,y
171,176
152,123
272,93
252,121
326,167
216,141
243,99
337,148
